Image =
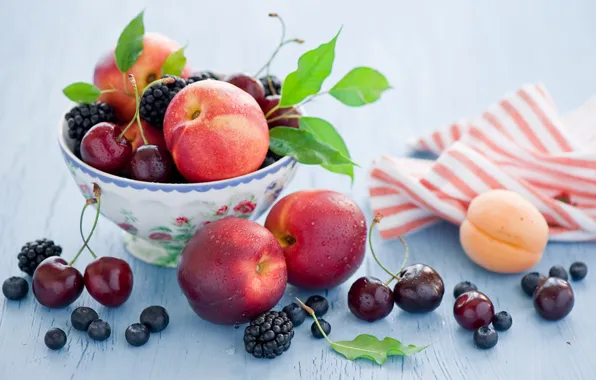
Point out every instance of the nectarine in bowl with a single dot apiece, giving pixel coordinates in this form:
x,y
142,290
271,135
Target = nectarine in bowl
x,y
159,218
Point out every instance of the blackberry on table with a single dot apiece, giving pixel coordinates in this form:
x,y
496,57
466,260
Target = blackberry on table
x,y
156,99
34,252
269,335
275,85
201,75
82,117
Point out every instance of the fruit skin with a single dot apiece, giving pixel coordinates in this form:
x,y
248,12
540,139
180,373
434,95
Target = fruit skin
x,y
156,98
462,287
554,299
104,149
109,281
419,290
247,83
314,329
503,232
156,48
55,338
155,318
323,235
153,135
15,288
319,304
485,337
502,321
271,83
82,317
296,314
578,271
55,284
82,117
99,330
559,272
473,310
34,252
235,260
269,335
267,105
151,163
136,334
370,299
530,282
227,138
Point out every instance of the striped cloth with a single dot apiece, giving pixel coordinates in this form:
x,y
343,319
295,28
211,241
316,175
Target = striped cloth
x,y
519,143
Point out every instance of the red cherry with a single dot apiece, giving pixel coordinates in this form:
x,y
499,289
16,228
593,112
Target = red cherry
x,y
267,105
247,83
473,309
151,163
56,284
104,149
370,299
109,281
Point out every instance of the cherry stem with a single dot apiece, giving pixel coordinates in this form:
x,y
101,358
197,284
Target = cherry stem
x,y
90,201
376,220
282,42
311,312
285,116
302,103
132,80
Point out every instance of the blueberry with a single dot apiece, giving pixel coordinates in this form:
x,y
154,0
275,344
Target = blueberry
x,y
82,317
530,281
99,330
463,287
559,272
55,339
296,314
486,337
314,329
15,288
502,321
155,318
137,334
578,271
319,304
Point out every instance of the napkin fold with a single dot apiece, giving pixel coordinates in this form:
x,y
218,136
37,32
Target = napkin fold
x,y
520,143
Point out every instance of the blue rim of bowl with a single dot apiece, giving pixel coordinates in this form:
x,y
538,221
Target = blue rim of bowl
x,y
166,187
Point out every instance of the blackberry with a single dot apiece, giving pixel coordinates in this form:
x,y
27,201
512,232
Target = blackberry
x,y
156,99
34,252
15,288
462,287
201,75
55,338
270,159
486,337
530,282
269,335
82,117
559,272
275,85
578,271
502,321
314,329
155,318
82,317
319,304
296,314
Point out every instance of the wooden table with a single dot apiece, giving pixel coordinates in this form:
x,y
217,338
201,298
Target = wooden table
x,y
445,60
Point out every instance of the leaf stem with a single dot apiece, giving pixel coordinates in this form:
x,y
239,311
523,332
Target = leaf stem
x,y
109,90
313,315
97,200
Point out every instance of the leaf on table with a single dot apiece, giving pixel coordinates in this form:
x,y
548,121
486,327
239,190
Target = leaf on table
x,y
314,67
304,147
369,347
325,132
361,86
130,44
82,92
174,63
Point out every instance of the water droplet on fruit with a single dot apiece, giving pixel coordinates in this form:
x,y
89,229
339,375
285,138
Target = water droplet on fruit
x,y
328,257
312,223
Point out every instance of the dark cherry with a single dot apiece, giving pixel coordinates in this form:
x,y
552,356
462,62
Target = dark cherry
x,y
56,284
554,299
104,149
151,163
267,105
247,83
473,310
370,299
109,281
419,290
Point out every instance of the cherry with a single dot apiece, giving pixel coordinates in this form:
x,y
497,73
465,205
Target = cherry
x,y
419,289
248,83
554,299
109,281
151,163
104,148
473,310
279,117
56,284
370,299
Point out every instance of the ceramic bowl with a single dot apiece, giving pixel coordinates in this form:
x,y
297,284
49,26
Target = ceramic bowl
x,y
158,219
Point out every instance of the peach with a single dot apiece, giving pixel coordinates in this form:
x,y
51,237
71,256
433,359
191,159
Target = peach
x,y
503,232
323,235
152,134
232,270
156,48
215,131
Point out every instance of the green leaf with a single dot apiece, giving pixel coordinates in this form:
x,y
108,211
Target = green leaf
x,y
369,347
325,132
360,86
130,44
161,228
314,67
82,92
175,63
304,147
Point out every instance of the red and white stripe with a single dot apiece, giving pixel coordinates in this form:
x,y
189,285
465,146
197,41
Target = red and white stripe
x,y
519,143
